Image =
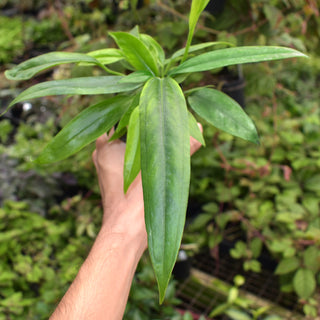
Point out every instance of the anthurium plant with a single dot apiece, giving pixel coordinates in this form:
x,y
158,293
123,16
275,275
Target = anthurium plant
x,y
149,104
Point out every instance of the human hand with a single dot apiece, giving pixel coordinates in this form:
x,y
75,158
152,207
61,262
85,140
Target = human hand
x,y
123,213
101,288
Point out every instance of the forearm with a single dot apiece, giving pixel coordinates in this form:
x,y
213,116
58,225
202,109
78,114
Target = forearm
x,y
101,288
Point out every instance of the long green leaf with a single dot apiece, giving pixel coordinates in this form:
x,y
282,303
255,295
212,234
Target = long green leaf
x,y
134,4
136,77
132,155
85,128
224,113
195,131
135,52
165,169
231,56
197,47
197,6
154,47
31,67
82,86
121,127
107,56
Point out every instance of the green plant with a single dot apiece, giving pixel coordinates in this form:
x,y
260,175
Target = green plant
x,y
271,194
11,41
239,308
151,106
35,255
289,23
142,303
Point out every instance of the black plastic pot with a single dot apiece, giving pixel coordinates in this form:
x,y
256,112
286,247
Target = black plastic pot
x,y
235,89
233,85
181,270
216,7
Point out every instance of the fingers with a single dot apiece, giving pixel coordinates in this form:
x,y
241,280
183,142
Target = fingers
x,y
195,144
94,157
105,148
103,140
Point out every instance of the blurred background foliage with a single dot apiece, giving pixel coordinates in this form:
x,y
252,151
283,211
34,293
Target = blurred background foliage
x,y
49,216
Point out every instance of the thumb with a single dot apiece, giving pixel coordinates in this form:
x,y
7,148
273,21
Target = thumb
x,y
195,144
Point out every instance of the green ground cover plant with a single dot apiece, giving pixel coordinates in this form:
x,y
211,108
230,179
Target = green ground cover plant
x,y
43,235
11,41
270,193
151,107
289,23
35,260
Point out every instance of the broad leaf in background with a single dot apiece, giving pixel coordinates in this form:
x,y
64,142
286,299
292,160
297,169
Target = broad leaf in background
x,y
304,283
31,67
236,314
86,127
84,85
165,169
224,113
287,265
132,154
231,56
135,51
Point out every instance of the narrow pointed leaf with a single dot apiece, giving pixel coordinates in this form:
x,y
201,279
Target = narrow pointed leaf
x,y
136,77
135,52
87,126
31,67
134,4
135,31
165,169
107,56
236,55
132,154
82,86
154,47
224,113
197,6
197,47
124,121
195,131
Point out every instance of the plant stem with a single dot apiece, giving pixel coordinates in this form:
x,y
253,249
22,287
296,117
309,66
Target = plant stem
x,y
110,71
186,51
181,16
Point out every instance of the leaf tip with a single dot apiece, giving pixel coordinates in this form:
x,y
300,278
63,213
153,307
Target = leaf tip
x,y
162,294
7,75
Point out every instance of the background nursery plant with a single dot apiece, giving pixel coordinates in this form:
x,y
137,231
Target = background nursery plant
x,y
152,108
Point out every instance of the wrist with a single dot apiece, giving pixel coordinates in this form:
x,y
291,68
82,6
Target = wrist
x,y
118,238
